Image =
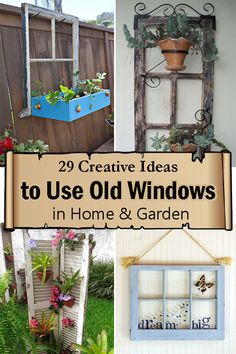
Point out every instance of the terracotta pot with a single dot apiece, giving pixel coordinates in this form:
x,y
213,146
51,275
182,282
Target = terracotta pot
x,y
183,148
48,275
70,303
175,51
10,257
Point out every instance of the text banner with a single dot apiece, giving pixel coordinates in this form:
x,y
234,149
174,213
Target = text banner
x,y
126,190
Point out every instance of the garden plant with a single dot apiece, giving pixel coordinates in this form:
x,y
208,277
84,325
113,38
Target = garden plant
x,y
42,263
70,238
175,37
9,143
188,140
8,252
60,294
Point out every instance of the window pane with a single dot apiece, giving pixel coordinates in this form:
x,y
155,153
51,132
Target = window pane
x,y
203,314
151,284
177,284
150,314
177,315
204,285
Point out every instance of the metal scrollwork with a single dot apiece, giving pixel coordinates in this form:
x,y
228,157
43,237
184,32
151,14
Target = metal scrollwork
x,y
203,117
152,82
168,9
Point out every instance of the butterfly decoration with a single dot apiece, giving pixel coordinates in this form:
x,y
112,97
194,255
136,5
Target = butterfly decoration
x,y
202,285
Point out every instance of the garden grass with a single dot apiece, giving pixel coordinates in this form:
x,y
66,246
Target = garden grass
x,y
99,316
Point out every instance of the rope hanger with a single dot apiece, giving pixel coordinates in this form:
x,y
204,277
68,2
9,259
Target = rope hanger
x,y
131,260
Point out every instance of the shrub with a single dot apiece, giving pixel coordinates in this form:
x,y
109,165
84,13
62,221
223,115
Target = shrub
x,y
5,282
101,280
15,336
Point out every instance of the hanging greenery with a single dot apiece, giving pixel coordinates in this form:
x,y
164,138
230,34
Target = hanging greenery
x,y
176,27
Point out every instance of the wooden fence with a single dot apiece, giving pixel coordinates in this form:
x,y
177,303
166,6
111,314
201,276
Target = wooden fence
x,y
95,54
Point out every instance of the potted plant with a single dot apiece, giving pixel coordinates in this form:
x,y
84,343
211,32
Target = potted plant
x,y
100,347
68,104
42,262
8,252
70,238
60,294
175,38
9,143
67,322
186,140
43,330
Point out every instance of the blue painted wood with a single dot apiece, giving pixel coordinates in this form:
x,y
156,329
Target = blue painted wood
x,y
68,111
178,334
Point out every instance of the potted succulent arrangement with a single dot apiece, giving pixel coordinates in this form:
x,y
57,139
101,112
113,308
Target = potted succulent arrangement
x,y
8,252
9,143
70,238
175,38
42,262
186,140
68,104
60,294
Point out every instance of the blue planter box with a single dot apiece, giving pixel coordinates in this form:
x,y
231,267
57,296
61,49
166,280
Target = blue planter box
x,y
68,111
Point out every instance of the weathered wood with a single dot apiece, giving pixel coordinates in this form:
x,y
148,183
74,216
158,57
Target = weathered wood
x,y
207,77
139,98
172,75
166,126
173,100
76,136
208,72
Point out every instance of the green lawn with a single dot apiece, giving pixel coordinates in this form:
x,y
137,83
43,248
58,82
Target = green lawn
x,y
99,315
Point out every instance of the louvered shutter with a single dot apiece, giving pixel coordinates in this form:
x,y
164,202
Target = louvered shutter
x,y
71,261
38,294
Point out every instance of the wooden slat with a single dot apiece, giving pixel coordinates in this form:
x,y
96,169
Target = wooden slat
x,y
207,77
84,134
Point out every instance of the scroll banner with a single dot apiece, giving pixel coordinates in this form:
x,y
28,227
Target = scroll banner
x,y
125,190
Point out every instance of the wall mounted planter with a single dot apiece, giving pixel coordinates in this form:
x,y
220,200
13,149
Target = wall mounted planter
x,y
177,302
75,109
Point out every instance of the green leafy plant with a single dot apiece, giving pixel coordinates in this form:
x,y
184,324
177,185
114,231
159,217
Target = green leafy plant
x,y
40,91
68,94
45,327
8,249
15,336
200,137
5,283
101,280
9,143
176,26
42,262
100,347
53,97
67,283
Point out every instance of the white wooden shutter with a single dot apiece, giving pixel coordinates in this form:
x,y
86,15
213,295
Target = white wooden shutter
x,y
38,294
71,261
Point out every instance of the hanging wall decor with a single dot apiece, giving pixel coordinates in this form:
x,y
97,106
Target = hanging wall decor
x,y
65,104
178,31
176,302
183,302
